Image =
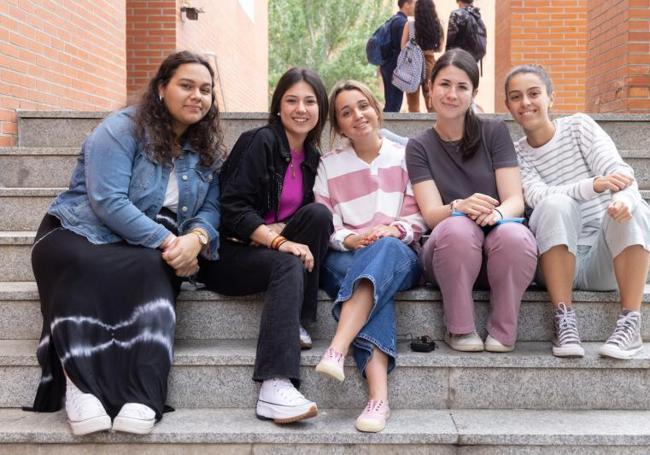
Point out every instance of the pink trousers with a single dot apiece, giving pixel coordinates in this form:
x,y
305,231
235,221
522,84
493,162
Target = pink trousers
x,y
458,256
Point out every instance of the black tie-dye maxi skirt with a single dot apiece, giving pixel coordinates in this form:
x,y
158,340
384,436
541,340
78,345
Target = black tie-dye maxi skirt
x,y
108,320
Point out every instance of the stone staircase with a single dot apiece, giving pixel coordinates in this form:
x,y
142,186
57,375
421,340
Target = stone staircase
x,y
443,402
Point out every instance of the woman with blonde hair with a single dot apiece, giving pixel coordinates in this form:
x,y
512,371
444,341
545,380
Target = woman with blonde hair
x,y
365,185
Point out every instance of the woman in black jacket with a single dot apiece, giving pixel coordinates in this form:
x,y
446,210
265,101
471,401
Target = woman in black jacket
x,y
274,236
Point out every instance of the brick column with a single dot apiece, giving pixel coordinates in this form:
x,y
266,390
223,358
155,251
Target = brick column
x,y
150,37
551,33
618,61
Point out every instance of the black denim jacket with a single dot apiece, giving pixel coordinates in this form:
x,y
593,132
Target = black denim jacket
x,y
252,178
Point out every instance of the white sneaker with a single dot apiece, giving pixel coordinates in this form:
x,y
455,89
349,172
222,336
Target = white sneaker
x,y
494,345
135,418
281,402
305,339
626,340
86,414
468,342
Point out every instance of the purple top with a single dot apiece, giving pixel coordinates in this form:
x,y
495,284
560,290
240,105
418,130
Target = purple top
x,y
292,194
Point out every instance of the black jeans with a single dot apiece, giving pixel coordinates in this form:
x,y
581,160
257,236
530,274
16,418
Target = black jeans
x,y
392,94
291,291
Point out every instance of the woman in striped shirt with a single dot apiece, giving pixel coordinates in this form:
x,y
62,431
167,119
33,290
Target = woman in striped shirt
x,y
591,224
376,219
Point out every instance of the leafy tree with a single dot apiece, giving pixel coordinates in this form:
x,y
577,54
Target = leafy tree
x,y
328,36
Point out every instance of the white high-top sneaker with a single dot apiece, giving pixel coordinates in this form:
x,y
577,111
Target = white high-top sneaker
x,y
86,414
281,402
135,418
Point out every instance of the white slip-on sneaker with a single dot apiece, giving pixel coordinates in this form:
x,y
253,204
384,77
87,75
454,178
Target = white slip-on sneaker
x,y
135,418
567,339
494,345
281,402
467,342
305,339
626,340
86,414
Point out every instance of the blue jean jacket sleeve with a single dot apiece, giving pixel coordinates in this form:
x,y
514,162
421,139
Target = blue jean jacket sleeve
x,y
208,217
108,154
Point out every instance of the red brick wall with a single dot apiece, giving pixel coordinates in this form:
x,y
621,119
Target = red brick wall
x,y
551,33
60,55
240,46
150,37
502,50
618,62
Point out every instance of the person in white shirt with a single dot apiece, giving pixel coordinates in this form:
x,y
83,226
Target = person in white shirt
x,y
591,224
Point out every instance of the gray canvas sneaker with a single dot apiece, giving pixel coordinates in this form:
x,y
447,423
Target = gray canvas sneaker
x,y
567,339
626,340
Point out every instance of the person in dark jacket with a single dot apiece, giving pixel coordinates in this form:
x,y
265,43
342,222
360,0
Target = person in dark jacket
x,y
457,29
392,95
274,237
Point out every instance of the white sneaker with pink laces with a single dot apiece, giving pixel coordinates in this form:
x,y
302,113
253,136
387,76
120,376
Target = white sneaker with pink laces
x,y
374,416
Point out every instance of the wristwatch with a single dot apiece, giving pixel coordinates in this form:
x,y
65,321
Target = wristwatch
x,y
203,239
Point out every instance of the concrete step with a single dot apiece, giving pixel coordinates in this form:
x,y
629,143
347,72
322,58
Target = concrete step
x,y
217,374
22,209
204,315
40,167
51,167
409,432
70,128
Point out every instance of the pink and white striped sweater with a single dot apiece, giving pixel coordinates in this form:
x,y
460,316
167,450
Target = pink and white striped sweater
x,y
362,195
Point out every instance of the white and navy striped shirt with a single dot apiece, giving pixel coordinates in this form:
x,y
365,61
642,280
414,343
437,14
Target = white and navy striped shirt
x,y
579,151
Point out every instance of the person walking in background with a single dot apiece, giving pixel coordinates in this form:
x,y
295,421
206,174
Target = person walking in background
x,y
276,236
429,36
108,257
591,224
392,95
466,30
365,185
466,181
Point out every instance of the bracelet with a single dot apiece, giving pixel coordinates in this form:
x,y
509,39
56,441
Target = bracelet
x,y
402,231
452,205
277,241
499,212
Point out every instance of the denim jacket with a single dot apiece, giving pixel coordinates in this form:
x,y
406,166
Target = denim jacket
x,y
116,190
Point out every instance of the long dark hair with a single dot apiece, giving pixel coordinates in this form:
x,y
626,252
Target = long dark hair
x,y
288,79
428,29
154,122
464,61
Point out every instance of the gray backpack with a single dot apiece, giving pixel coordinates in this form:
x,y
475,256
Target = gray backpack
x,y
409,72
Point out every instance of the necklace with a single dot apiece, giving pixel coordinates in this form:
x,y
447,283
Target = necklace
x,y
445,137
294,155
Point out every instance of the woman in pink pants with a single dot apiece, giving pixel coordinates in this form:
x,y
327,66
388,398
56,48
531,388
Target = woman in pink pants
x,y
466,181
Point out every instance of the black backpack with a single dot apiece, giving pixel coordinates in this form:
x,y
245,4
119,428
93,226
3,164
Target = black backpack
x,y
378,47
475,36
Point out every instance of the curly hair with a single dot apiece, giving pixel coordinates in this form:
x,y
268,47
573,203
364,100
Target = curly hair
x,y
153,121
428,29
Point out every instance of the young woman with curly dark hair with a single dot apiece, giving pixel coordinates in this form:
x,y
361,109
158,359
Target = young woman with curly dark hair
x,y
110,253
429,36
